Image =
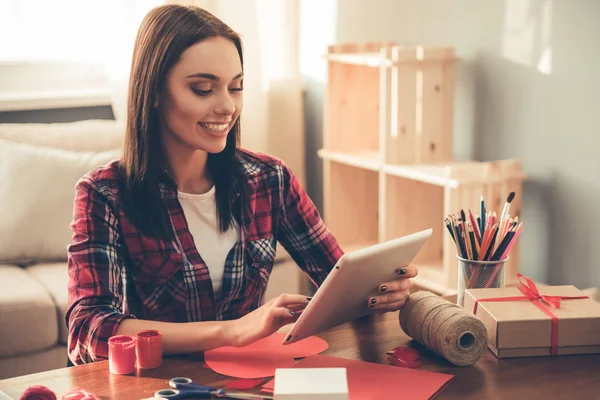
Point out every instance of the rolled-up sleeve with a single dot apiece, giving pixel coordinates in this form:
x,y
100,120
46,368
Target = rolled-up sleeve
x,y
95,283
302,231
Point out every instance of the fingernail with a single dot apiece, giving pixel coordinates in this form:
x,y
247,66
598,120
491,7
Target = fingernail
x,y
293,312
373,300
402,271
309,298
383,288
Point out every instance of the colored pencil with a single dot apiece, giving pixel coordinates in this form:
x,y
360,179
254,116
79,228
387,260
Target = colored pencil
x,y
475,227
448,226
463,250
475,255
482,205
502,247
512,242
487,242
490,248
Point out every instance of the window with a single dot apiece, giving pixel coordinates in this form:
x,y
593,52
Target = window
x,y
63,53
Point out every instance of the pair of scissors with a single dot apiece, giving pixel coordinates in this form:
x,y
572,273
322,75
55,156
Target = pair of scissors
x,y
185,388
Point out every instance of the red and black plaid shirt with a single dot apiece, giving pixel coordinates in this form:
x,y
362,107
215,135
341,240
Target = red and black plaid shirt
x,y
116,272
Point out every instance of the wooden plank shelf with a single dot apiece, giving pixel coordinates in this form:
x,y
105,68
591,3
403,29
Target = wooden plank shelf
x,y
367,159
366,59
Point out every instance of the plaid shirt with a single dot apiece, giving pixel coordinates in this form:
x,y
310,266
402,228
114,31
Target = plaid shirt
x,y
116,272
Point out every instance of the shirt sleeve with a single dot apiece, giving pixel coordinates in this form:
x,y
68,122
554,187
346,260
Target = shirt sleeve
x,y
95,284
303,233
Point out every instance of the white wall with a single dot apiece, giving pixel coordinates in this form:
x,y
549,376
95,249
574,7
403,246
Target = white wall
x,y
529,88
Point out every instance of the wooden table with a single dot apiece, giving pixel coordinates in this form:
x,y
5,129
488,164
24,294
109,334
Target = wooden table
x,y
564,377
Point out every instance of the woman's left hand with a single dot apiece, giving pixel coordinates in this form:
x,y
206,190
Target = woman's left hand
x,y
392,295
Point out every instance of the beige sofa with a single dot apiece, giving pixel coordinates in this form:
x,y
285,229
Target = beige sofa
x,y
39,166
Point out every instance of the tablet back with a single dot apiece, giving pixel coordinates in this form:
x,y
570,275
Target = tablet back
x,y
357,275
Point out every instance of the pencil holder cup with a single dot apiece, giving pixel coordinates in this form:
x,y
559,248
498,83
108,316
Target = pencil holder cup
x,y
474,274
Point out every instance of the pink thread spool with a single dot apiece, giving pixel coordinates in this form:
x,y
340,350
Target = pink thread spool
x,y
121,354
149,349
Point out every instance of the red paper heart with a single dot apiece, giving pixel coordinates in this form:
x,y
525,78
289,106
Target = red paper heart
x,y
404,357
406,353
261,358
401,363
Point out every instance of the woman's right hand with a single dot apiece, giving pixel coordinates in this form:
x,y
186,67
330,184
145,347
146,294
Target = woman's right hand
x,y
268,318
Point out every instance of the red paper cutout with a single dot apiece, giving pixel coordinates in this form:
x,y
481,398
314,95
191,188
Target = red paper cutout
x,y
406,353
243,384
398,362
261,358
370,381
404,357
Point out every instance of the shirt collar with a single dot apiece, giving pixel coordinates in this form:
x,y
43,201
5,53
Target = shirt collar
x,y
169,185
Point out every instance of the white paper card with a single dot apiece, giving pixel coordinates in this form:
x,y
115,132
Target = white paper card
x,y
311,384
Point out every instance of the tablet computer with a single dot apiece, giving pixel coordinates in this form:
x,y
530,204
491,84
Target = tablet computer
x,y
356,276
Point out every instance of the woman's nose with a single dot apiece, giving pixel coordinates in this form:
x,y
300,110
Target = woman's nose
x,y
226,105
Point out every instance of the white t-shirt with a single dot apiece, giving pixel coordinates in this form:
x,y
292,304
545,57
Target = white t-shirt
x,y
200,211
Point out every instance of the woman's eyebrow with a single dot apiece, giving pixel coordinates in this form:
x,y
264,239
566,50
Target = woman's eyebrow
x,y
213,77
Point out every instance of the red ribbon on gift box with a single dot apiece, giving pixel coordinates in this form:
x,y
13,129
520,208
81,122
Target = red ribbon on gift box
x,y
543,302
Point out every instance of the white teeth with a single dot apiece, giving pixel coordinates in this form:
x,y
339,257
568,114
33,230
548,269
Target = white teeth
x,y
215,127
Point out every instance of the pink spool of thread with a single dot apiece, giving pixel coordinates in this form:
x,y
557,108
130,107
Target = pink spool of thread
x,y
121,354
149,349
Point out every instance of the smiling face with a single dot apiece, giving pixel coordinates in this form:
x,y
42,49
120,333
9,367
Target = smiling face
x,y
202,97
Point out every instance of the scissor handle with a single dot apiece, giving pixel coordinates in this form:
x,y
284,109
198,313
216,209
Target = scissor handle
x,y
180,379
182,394
182,383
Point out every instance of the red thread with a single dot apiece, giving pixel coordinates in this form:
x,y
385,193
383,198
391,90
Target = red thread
x,y
38,392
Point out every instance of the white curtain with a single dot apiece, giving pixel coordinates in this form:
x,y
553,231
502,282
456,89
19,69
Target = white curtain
x,y
126,18
272,119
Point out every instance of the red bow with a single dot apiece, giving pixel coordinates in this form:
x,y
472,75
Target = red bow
x,y
531,292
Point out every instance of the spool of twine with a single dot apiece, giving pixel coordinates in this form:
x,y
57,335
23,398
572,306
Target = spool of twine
x,y
444,328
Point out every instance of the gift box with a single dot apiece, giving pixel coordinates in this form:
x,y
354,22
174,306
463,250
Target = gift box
x,y
525,321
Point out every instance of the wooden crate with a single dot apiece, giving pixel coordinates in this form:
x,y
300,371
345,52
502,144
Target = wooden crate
x,y
387,155
390,103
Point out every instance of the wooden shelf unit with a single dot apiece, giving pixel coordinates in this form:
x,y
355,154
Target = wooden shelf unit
x,y
387,156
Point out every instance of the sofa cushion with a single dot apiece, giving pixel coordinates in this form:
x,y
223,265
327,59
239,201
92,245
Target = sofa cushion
x,y
55,277
28,318
88,135
37,189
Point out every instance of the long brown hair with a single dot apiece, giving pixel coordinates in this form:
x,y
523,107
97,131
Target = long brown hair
x,y
164,34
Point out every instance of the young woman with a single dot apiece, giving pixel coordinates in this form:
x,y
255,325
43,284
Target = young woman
x,y
179,234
